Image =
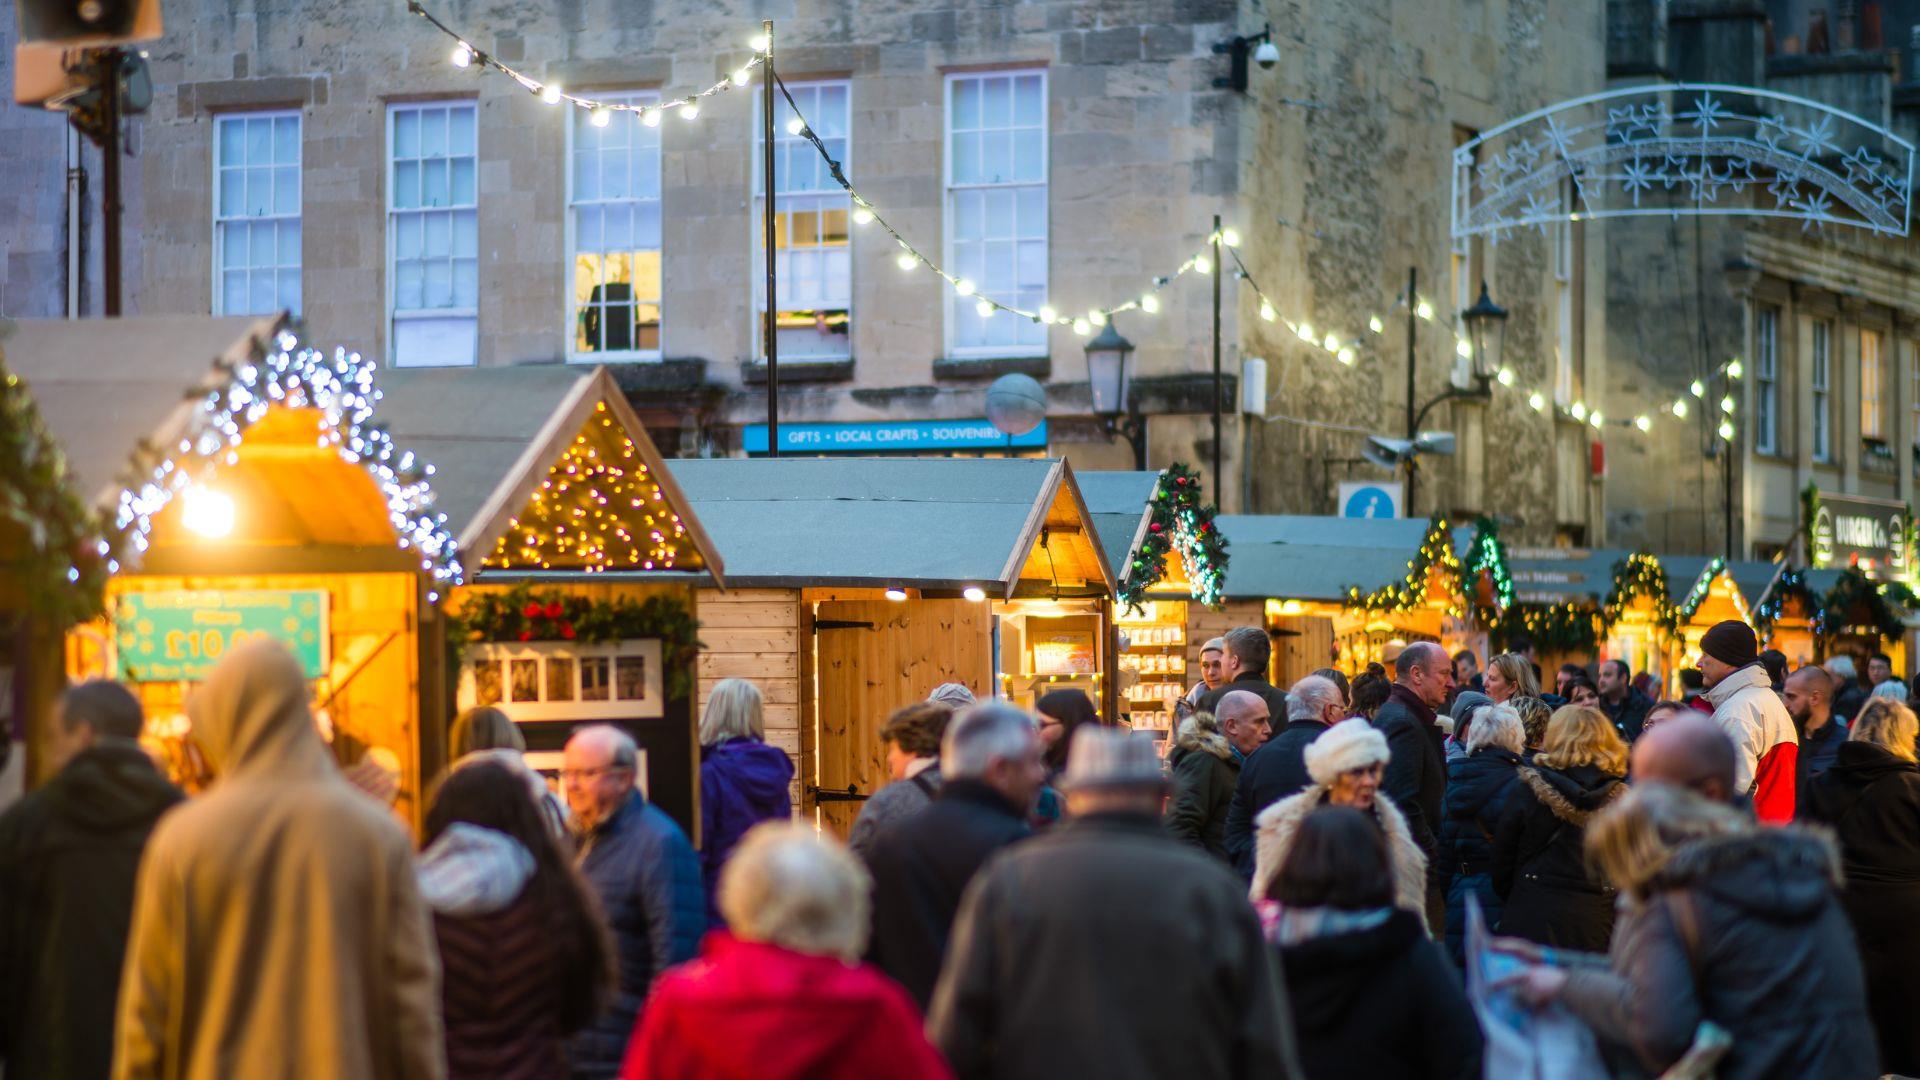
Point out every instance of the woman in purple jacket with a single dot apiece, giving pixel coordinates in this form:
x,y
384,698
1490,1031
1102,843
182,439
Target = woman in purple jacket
x,y
743,781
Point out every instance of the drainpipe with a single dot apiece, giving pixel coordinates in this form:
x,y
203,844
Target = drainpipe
x,y
76,201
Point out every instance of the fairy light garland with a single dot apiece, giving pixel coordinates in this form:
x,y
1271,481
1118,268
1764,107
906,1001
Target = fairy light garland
x,y
599,508
1342,349
466,55
1640,576
341,389
1398,597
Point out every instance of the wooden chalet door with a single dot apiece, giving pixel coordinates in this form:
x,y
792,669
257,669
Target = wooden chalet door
x,y
874,657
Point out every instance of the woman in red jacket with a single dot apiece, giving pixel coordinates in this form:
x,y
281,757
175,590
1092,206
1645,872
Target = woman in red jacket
x,y
783,995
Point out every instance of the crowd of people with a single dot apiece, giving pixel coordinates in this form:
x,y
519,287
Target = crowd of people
x,y
1723,881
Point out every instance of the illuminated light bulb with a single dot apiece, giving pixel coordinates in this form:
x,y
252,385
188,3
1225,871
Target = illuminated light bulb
x,y
1596,419
1230,237
1082,327
1505,377
1680,409
462,55
602,116
1149,303
985,309
1097,317
1332,344
1345,356
1267,314
1374,324
1726,404
740,77
1726,430
1698,389
207,512
795,125
758,43
1203,264
1047,314
551,94
1424,310
1735,369
1536,401
1463,348
1579,411
896,594
651,118
974,593
963,287
1643,422
1305,332
906,261
689,111
862,216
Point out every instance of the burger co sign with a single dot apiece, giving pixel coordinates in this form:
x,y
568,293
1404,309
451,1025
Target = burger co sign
x,y
1872,533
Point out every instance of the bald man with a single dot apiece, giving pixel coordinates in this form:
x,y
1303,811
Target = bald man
x,y
1689,751
1809,697
1416,777
1244,721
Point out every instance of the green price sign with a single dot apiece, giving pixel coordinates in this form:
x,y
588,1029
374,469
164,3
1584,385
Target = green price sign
x,y
179,636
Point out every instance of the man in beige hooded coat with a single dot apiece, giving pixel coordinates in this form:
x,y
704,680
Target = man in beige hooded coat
x,y
277,926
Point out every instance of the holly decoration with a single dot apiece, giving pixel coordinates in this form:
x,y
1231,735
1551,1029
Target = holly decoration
x,y
52,538
522,614
1178,522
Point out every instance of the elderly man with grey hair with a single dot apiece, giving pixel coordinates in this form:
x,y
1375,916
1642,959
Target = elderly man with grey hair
x,y
990,760
1416,778
1206,761
1279,769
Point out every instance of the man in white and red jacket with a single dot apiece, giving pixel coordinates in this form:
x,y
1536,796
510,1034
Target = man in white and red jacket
x,y
1753,716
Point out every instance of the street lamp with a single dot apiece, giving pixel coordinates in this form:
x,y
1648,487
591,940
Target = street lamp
x,y
1486,324
1486,331
1110,379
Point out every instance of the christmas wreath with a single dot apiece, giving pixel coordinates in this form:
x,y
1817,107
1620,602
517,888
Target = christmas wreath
x,y
1178,521
524,614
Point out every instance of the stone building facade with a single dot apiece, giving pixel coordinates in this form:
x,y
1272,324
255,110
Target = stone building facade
x,y
1825,321
330,158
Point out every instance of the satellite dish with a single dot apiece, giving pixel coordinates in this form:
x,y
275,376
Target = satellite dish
x,y
1016,404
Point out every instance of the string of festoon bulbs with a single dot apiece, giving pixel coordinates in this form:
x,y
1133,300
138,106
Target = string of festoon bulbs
x,y
1342,349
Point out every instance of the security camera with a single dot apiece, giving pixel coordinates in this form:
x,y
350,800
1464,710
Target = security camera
x,y
1266,55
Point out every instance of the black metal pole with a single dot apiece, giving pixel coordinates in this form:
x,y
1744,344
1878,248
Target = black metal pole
x,y
770,323
1413,333
1219,498
110,175
1727,471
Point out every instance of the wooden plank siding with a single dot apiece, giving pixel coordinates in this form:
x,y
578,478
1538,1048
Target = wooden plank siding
x,y
756,634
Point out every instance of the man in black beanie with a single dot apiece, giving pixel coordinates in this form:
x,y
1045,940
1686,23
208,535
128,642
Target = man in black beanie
x,y
1753,716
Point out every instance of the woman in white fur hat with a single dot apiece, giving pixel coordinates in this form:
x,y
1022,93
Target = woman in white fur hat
x,y
1346,764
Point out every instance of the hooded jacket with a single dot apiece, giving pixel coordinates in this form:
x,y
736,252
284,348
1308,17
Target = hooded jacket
x,y
1539,864
755,1011
1204,775
68,854
1765,744
1770,958
1279,823
743,782
1380,1002
277,926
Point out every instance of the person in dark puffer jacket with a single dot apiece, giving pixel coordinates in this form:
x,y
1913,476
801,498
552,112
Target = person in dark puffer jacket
x,y
524,956
1206,764
1479,787
646,875
1539,867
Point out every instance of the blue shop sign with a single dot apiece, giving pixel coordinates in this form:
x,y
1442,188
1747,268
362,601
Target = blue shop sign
x,y
907,436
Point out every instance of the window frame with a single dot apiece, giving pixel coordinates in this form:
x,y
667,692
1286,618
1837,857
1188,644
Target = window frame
x,y
216,263
1873,392
757,227
949,299
577,116
1820,381
1766,379
394,314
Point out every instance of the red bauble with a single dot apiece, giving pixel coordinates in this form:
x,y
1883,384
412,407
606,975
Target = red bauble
x,y
526,635
566,630
1154,527
531,611
555,610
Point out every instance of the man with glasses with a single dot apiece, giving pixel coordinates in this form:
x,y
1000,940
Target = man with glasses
x,y
639,861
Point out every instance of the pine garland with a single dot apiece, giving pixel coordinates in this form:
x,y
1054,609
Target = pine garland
x,y
1638,576
65,563
523,614
1178,521
1857,600
1436,549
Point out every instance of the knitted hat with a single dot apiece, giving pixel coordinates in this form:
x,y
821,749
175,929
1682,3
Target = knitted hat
x,y
1348,745
1731,643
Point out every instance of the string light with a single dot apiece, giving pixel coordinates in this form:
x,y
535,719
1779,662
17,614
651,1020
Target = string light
x,y
1537,401
1680,410
551,93
462,55
1505,377
1149,303
1579,411
1643,422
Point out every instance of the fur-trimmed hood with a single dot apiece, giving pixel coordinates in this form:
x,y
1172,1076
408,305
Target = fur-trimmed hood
x,y
1275,827
1782,874
1193,737
1573,795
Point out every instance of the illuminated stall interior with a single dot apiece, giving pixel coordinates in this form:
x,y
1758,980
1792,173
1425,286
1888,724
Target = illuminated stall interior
x,y
579,605
857,585
254,498
1705,591
1787,613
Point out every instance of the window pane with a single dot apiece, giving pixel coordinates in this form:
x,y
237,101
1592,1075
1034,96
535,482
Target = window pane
x,y
406,134
290,290
646,224
996,156
1032,213
586,228
1028,101
586,176
966,104
406,236
233,293
259,192
999,224
996,109
439,287
406,185
466,234
463,183
433,183
408,285
1028,156
264,293
613,176
233,246
966,159
466,283
439,235
433,133
260,245
233,192
461,140
286,140
259,141
233,141
286,191
289,243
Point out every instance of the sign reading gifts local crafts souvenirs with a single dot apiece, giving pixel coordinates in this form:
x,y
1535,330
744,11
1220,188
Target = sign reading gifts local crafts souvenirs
x,y
1846,530
179,635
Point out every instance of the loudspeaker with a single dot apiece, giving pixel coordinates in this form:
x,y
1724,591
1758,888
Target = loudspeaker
x,y
74,23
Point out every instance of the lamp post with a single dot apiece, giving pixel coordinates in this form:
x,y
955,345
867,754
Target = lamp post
x,y
1486,324
1110,378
